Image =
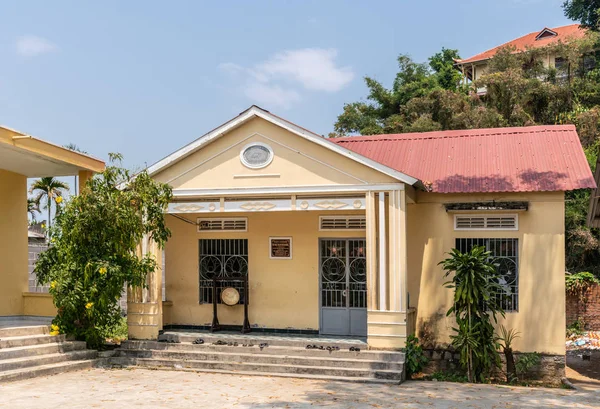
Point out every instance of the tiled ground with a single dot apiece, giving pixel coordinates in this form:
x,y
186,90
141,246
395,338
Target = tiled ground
x,y
137,388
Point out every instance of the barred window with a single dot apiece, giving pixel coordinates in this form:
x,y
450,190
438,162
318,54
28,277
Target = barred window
x,y
505,254
226,259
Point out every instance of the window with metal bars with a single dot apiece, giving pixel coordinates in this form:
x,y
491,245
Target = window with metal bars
x,y
505,255
226,259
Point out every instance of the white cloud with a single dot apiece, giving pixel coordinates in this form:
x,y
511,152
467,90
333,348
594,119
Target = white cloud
x,y
31,46
314,68
279,80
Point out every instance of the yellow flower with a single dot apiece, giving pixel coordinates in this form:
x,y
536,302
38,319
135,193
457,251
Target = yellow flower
x,y
54,330
102,270
89,305
53,284
59,199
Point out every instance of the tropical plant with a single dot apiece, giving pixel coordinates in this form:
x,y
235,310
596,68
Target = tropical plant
x,y
475,305
506,339
415,359
578,283
94,250
33,207
526,362
48,189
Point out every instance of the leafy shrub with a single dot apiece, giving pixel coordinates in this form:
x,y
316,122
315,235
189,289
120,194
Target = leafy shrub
x,y
449,376
527,361
415,359
576,328
579,283
94,250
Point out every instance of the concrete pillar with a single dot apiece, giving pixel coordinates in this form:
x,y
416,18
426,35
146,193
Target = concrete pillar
x,y
144,305
370,213
386,320
83,176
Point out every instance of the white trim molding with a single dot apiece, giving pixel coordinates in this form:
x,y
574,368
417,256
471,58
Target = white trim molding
x,y
255,111
286,190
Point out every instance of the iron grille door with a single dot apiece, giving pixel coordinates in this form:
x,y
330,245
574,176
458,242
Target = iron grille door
x,y
343,286
222,258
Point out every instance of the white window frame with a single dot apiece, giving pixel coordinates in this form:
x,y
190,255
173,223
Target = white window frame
x,y
262,165
280,238
349,217
485,216
201,219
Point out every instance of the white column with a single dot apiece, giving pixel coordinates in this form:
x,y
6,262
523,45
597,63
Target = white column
x,y
371,251
382,254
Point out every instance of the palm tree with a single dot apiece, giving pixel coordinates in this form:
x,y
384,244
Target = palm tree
x,y
33,207
48,188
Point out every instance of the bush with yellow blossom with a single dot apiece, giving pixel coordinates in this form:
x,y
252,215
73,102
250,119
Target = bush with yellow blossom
x,y
93,251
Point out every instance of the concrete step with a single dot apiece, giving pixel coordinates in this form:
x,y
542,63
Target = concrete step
x,y
20,331
45,370
258,338
27,340
43,360
242,355
281,375
395,375
387,356
41,349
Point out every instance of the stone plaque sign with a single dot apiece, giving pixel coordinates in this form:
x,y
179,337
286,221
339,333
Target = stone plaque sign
x,y
280,247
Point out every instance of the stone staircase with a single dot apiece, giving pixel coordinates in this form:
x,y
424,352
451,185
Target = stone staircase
x,y
29,351
285,356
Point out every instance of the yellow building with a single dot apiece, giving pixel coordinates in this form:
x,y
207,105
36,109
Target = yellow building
x,y
474,67
344,236
23,156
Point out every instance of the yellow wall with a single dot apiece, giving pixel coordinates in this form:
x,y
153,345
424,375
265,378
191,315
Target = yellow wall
x,y
218,164
13,242
283,293
38,305
541,316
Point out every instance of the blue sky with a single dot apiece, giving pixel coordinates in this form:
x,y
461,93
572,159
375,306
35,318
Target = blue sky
x,y
143,78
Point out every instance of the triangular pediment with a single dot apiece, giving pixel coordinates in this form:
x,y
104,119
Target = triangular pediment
x,y
261,150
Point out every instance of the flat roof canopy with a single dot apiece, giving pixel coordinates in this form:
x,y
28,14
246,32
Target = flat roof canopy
x,y
33,157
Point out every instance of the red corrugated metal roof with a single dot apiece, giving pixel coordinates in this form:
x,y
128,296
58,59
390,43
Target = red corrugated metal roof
x,y
535,158
564,34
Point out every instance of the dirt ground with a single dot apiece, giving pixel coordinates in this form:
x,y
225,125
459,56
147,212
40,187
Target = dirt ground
x,y
582,372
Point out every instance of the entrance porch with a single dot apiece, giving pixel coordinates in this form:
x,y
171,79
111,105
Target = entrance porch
x,y
327,260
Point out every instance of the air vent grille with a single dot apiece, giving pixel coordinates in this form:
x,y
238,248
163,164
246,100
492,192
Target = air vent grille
x,y
223,224
496,222
342,223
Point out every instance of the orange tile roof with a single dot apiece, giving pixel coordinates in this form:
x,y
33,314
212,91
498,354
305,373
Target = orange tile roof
x,y
564,34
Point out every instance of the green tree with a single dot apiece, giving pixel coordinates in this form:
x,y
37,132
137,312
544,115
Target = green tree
x,y
94,250
48,189
33,207
475,304
442,63
587,12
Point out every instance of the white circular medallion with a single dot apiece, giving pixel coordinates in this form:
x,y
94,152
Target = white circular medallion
x,y
256,155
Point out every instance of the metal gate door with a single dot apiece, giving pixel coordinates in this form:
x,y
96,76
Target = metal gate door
x,y
343,284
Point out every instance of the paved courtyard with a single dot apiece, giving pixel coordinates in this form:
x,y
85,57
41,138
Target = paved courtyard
x,y
138,388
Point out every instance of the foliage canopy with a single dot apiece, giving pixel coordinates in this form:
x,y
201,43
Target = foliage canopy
x,y
94,250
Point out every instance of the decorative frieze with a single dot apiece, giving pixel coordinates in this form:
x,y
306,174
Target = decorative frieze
x,y
266,205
